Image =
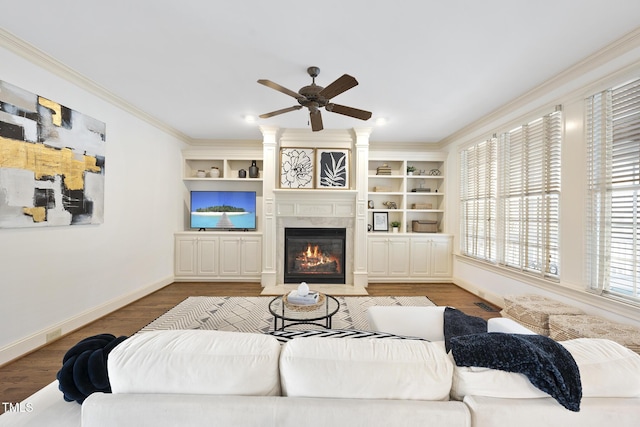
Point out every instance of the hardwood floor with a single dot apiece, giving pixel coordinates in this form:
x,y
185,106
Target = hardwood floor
x,y
23,377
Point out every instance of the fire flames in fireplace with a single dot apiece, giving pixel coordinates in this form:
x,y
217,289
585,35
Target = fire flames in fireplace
x,y
314,254
313,260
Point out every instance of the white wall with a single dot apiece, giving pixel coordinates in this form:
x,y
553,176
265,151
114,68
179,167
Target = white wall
x,y
63,277
607,68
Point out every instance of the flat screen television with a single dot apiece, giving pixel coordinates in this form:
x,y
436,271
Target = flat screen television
x,y
223,210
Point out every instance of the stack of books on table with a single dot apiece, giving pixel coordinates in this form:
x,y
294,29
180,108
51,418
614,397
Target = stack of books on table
x,y
308,299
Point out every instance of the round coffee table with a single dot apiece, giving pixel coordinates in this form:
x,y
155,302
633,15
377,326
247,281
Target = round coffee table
x,y
319,314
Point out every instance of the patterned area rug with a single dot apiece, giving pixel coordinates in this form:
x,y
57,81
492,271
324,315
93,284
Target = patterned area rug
x,y
251,314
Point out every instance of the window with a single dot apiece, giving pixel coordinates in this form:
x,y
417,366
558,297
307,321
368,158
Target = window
x,y
613,137
509,197
478,200
529,195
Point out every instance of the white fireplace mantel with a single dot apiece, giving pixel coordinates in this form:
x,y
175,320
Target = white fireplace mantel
x,y
315,207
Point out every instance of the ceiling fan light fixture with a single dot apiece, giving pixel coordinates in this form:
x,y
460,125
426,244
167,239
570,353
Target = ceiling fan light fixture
x,y
315,97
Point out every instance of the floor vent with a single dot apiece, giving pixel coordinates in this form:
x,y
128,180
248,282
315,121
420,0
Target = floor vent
x,y
485,306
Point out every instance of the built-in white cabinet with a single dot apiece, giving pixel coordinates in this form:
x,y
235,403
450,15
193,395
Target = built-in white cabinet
x,y
240,256
431,256
388,257
414,258
211,256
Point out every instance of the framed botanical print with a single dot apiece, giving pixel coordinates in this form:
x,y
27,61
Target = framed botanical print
x,y
296,167
332,168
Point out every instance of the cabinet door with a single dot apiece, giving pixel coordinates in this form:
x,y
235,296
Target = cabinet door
x,y
441,257
251,256
230,259
208,256
185,256
420,257
398,257
378,257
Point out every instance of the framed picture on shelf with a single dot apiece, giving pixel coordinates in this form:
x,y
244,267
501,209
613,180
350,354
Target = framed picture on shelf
x,y
332,168
296,167
380,221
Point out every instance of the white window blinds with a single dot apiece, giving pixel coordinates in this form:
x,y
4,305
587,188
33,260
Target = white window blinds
x,y
613,137
478,191
529,195
509,197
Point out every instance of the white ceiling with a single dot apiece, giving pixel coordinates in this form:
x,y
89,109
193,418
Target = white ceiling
x,y
429,66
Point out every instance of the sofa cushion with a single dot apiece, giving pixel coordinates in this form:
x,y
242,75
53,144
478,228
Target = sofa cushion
x,y
421,322
548,365
533,311
196,362
607,369
365,369
588,326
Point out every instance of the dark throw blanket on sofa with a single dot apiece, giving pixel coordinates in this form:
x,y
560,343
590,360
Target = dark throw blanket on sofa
x,y
457,323
547,364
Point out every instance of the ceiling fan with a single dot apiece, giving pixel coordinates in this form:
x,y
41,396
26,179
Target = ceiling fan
x,y
315,97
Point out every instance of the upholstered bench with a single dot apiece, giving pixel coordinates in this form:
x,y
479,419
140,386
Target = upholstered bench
x,y
533,311
565,327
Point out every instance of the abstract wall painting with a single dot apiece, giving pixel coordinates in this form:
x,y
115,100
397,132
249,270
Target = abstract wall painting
x,y
52,161
332,168
296,167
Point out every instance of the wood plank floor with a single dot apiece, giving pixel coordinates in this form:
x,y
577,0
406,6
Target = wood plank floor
x,y
23,377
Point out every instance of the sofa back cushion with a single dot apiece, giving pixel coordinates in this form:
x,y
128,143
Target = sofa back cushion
x,y
196,362
365,369
421,322
607,369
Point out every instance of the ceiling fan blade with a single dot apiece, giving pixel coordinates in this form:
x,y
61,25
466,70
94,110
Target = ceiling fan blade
x,y
284,110
276,86
348,111
342,84
316,121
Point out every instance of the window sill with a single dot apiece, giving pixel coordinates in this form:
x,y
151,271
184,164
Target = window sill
x,y
612,304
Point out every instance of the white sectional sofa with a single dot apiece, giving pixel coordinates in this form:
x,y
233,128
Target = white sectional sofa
x,y
204,378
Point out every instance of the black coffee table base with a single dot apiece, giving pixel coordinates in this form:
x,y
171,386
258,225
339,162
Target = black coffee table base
x,y
286,314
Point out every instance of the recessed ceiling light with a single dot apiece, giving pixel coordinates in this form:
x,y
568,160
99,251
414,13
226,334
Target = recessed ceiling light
x,y
381,121
249,119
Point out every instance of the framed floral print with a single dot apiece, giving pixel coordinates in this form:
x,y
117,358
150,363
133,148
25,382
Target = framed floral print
x,y
332,168
296,167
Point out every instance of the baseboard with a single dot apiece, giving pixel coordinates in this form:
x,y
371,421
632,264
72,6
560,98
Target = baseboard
x,y
481,293
35,341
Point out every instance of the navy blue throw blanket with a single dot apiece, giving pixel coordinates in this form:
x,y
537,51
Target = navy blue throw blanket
x,y
457,323
547,364
84,367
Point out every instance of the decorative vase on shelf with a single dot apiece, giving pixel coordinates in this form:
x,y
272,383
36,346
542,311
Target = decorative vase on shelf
x,y
253,170
201,173
215,172
242,173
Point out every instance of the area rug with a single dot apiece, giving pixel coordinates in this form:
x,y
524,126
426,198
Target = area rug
x,y
251,314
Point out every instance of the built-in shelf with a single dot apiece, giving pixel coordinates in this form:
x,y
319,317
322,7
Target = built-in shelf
x,y
393,192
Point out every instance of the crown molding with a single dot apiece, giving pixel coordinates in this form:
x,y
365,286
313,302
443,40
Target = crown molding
x,y
591,63
47,62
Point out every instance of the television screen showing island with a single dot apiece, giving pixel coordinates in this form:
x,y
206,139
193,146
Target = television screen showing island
x,y
223,210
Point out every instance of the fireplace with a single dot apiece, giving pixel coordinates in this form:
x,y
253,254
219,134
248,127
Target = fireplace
x,y
314,255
